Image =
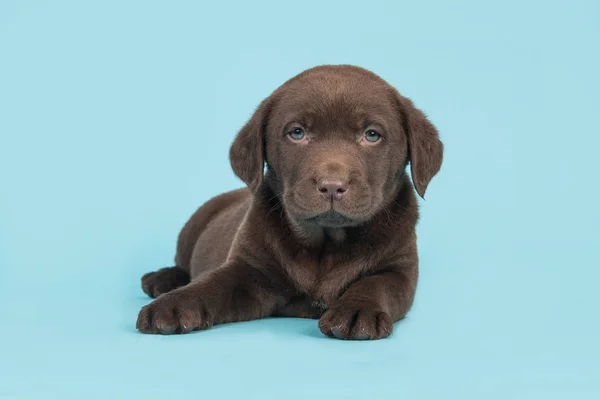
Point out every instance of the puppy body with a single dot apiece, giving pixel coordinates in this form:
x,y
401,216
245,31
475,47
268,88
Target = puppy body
x,y
328,232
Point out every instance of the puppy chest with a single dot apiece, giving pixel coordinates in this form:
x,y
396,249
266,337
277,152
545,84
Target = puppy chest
x,y
312,277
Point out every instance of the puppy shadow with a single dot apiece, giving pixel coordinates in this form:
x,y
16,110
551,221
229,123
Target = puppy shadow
x,y
279,327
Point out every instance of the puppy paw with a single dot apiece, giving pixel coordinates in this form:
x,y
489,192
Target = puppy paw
x,y
176,312
355,323
164,280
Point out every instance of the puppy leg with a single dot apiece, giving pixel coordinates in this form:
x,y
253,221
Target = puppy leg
x,y
233,292
369,307
164,280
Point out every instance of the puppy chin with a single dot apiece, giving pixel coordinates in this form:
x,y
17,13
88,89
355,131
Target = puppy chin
x,y
325,215
326,219
333,219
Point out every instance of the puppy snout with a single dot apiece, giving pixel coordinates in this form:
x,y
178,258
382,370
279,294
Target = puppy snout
x,y
332,188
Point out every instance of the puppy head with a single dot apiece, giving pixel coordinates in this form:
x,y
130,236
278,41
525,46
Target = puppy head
x,y
338,139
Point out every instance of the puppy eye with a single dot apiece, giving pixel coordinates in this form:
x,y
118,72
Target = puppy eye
x,y
372,136
297,134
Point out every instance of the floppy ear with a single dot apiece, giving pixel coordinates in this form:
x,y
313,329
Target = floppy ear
x,y
247,150
424,146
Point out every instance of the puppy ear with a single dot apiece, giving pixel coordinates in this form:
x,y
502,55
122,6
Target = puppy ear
x,y
247,150
424,145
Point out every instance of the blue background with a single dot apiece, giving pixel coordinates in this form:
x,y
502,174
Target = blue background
x,y
115,123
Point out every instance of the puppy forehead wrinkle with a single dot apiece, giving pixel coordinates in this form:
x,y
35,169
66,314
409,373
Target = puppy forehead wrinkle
x,y
341,113
347,101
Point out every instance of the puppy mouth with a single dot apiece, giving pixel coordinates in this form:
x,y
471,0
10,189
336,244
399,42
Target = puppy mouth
x,y
332,219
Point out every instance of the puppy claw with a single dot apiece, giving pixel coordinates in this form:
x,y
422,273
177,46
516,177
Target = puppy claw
x,y
337,332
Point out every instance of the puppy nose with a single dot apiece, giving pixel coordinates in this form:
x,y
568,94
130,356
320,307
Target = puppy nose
x,y
333,189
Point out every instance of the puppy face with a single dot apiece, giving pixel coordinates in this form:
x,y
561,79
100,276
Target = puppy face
x,y
338,139
335,142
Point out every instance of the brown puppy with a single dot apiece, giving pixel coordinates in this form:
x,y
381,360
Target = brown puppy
x,y
327,232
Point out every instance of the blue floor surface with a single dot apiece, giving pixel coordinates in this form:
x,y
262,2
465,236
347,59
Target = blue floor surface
x,y
115,123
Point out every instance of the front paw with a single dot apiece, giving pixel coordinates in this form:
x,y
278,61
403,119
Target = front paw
x,y
175,312
358,323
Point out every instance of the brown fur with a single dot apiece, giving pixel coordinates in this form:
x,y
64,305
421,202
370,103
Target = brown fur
x,y
327,232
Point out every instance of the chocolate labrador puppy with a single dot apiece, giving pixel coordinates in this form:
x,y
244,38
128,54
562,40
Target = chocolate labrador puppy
x,y
326,230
